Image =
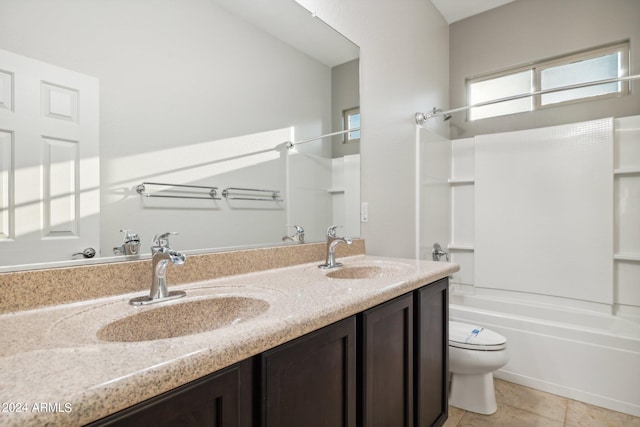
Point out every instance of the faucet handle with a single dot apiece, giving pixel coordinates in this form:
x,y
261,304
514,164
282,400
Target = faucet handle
x,y
298,228
331,231
437,252
129,235
162,240
298,236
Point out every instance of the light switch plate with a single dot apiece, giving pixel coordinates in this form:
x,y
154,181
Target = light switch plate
x,y
364,212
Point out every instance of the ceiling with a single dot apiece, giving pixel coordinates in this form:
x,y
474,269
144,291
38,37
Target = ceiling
x,y
456,10
293,24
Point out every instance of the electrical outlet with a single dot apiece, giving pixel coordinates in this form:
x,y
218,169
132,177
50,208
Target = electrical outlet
x,y
364,212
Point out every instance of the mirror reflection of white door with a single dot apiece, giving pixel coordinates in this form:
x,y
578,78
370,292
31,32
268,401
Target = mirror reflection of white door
x,y
49,165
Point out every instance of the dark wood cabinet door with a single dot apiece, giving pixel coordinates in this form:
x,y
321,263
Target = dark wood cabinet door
x,y
387,364
311,381
222,399
432,354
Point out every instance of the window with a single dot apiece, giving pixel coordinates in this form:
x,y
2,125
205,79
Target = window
x,y
582,69
351,120
501,87
598,64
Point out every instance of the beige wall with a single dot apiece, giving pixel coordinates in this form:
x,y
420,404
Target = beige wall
x,y
404,55
531,30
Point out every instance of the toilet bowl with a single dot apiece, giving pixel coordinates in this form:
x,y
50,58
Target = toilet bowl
x,y
474,353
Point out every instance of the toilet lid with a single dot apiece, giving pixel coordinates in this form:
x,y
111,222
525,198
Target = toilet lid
x,y
473,337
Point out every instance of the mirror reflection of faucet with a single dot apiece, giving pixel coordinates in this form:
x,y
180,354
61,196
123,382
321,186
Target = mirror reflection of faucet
x,y
130,244
297,237
161,256
332,242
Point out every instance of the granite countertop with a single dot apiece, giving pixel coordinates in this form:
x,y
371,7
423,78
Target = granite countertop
x,y
54,369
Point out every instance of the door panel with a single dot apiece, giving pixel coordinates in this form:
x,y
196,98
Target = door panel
x,y
49,170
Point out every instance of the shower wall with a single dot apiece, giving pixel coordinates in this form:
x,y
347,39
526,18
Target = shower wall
x,y
535,215
543,218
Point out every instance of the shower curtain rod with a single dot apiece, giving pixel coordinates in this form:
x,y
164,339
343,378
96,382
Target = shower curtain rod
x,y
421,118
291,144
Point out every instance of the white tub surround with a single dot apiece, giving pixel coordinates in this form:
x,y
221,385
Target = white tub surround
x,y
541,222
52,354
557,208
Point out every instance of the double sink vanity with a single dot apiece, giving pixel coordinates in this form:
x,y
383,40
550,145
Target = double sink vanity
x,y
362,344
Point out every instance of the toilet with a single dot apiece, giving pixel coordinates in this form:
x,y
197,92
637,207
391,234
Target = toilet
x,y
474,353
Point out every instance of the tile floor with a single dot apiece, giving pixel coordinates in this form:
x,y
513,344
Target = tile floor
x,y
520,406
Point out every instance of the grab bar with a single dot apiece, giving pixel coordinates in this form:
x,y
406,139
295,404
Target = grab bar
x,y
231,193
212,195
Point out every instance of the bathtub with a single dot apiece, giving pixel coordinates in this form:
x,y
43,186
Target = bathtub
x,y
583,354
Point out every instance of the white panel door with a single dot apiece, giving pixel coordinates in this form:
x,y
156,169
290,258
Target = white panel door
x,y
49,166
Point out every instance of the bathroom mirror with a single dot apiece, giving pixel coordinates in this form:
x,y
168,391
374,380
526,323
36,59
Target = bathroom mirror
x,y
196,92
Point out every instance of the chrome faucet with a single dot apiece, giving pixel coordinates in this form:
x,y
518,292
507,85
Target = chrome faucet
x,y
161,256
332,242
297,237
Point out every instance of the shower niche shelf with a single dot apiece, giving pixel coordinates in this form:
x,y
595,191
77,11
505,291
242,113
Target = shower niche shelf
x,y
627,171
627,257
461,181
